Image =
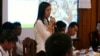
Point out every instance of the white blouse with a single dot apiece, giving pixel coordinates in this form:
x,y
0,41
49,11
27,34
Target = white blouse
x,y
41,34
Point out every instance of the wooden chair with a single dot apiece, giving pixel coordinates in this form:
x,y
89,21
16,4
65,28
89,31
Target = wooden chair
x,y
29,47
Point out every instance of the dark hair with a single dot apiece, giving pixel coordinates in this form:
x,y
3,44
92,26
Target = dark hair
x,y
8,25
41,11
72,24
59,26
41,53
16,24
58,44
8,35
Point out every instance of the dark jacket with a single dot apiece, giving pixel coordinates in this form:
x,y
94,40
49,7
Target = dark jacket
x,y
95,42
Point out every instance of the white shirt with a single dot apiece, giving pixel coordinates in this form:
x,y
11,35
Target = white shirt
x,y
3,52
41,34
19,47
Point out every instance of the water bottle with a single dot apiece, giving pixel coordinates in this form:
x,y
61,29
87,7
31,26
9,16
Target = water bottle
x,y
82,53
91,52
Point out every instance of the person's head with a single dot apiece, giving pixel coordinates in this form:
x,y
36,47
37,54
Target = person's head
x,y
98,25
8,25
18,28
72,28
60,26
41,53
8,39
44,10
58,44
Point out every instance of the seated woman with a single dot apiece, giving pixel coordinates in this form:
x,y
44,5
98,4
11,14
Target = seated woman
x,y
95,37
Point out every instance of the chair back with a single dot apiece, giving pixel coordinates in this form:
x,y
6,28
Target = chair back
x,y
29,47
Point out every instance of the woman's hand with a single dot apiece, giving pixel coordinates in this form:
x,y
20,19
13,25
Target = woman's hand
x,y
51,24
52,21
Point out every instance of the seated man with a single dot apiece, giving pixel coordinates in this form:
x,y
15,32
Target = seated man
x,y
8,40
19,45
10,26
72,30
58,44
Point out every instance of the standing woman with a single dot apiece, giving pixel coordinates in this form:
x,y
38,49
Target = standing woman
x,y
43,27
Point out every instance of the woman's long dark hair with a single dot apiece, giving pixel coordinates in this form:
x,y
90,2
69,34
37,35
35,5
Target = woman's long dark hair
x,y
41,11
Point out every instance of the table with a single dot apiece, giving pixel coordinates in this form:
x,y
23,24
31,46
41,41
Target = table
x,y
85,53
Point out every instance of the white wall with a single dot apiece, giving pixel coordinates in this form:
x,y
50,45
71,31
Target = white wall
x,y
26,32
5,11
